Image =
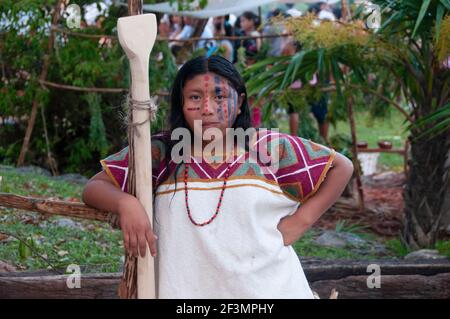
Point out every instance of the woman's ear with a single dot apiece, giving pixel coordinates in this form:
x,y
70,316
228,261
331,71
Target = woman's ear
x,y
241,101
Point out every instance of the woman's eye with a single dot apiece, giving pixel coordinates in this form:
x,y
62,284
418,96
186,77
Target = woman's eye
x,y
220,97
195,97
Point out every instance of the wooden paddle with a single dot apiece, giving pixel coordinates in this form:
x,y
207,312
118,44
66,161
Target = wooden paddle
x,y
137,35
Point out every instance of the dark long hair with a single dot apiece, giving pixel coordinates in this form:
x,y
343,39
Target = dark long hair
x,y
197,66
201,65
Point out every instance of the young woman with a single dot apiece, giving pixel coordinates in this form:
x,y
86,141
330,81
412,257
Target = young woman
x,y
220,29
249,22
223,229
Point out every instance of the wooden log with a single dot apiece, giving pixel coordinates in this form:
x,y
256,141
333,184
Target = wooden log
x,y
400,279
104,286
53,207
316,270
94,286
391,287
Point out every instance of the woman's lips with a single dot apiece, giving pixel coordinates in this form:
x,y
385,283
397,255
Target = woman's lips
x,y
210,124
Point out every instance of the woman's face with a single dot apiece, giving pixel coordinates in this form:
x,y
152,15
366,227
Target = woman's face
x,y
246,24
177,20
164,29
218,24
213,100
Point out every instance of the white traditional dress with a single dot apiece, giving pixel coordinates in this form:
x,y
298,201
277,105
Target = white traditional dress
x,y
241,253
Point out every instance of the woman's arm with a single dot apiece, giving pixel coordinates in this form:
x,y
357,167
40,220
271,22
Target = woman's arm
x,y
101,193
294,226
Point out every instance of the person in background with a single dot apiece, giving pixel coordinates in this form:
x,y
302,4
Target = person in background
x,y
165,26
318,108
249,22
292,11
326,13
227,25
177,26
104,41
208,32
220,30
188,29
276,44
184,34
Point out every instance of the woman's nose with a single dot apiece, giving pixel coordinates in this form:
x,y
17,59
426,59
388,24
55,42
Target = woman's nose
x,y
208,107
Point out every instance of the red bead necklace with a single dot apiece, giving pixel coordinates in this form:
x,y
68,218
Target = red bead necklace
x,y
227,174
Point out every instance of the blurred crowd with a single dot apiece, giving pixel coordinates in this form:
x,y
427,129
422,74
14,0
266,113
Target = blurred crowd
x,y
225,35
180,29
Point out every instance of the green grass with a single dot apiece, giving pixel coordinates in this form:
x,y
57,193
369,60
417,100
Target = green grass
x,y
37,185
372,131
36,241
97,249
443,246
399,249
306,247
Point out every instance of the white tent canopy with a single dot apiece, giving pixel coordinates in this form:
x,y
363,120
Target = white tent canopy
x,y
216,8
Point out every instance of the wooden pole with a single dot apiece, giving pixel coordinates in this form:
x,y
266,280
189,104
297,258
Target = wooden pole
x,y
137,35
260,15
135,7
42,76
355,154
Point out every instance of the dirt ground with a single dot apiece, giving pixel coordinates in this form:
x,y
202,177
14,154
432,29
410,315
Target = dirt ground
x,y
383,201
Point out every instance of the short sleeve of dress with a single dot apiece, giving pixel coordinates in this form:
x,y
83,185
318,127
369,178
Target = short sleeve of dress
x,y
116,165
303,166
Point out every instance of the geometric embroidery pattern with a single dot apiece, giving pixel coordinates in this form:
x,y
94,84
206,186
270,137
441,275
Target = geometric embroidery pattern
x,y
300,168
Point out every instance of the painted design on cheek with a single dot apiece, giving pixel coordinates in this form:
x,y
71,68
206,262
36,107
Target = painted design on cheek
x,y
225,105
232,104
219,91
206,93
230,111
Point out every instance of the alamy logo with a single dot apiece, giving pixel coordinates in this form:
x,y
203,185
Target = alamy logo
x,y
374,19
374,280
260,149
74,279
73,16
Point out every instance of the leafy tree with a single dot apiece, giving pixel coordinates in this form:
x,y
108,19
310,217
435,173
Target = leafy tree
x,y
82,126
406,56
